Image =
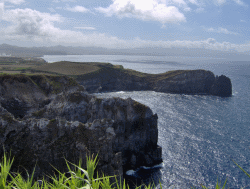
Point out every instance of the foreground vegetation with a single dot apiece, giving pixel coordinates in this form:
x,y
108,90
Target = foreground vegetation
x,y
79,178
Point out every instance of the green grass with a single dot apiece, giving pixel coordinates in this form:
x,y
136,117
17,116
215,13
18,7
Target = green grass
x,y
218,185
68,68
83,70
5,169
79,178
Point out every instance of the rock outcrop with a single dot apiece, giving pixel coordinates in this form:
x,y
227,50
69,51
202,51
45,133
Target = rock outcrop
x,y
222,86
180,82
44,119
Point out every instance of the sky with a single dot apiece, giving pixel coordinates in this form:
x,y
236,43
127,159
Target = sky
x,y
222,25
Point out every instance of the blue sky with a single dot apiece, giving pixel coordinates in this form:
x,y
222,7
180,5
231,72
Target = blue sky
x,y
210,24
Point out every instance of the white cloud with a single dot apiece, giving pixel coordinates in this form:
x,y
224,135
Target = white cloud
x,y
193,2
164,11
28,22
16,2
220,30
180,4
155,10
187,9
46,33
51,9
177,2
202,3
58,1
199,10
77,9
221,2
239,2
209,43
34,26
85,28
69,1
1,10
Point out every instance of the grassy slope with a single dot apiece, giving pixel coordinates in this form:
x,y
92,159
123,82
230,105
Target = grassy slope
x,y
68,68
76,69
15,65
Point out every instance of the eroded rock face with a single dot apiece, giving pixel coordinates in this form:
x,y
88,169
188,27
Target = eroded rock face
x,y
179,82
63,121
21,95
135,126
108,80
191,82
222,86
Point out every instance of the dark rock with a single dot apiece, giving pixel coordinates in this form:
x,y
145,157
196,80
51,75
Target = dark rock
x,y
63,122
179,82
109,79
222,87
189,82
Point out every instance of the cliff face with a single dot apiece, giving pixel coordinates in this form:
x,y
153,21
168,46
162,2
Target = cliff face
x,y
21,95
180,82
45,119
108,79
188,82
222,86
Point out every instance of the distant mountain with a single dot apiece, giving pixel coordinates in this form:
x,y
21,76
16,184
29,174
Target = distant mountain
x,y
28,51
153,51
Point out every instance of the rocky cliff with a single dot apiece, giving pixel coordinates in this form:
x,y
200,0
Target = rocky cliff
x,y
44,119
109,79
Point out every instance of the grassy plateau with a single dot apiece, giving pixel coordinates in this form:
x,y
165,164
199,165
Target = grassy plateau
x,y
13,65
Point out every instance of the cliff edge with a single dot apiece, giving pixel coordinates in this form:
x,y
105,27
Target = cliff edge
x,y
108,78
44,119
105,77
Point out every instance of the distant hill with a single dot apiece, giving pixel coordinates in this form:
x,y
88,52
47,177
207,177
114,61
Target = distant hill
x,y
54,50
152,51
28,51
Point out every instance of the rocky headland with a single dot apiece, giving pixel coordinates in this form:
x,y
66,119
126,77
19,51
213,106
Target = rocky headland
x,y
47,119
201,82
105,77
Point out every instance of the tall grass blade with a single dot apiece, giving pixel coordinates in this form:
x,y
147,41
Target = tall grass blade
x,y
241,169
217,186
57,182
91,166
5,171
224,185
20,183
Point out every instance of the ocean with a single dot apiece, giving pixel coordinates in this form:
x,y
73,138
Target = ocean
x,y
200,135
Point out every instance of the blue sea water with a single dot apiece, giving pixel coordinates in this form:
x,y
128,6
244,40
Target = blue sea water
x,y
199,135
